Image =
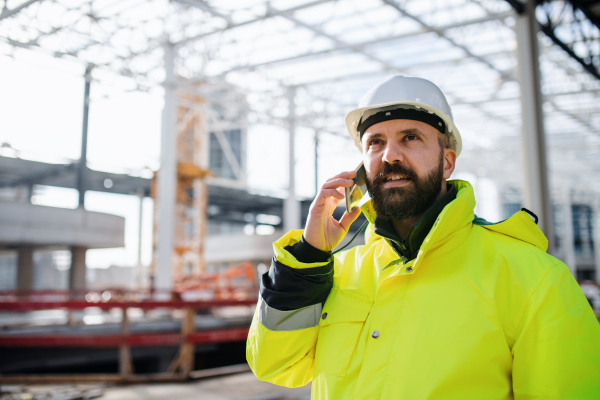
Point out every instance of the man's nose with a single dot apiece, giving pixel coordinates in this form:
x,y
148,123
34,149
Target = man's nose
x,y
393,154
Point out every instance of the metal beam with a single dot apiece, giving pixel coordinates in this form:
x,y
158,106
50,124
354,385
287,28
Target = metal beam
x,y
228,153
82,165
140,279
269,14
439,32
205,7
167,177
291,205
568,248
360,46
378,73
385,63
535,184
6,13
596,233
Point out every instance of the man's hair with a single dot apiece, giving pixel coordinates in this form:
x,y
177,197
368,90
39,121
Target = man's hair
x,y
444,141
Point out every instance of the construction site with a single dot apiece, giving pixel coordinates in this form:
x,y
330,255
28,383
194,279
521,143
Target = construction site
x,y
151,151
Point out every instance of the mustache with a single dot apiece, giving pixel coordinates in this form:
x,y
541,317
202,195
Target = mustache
x,y
395,169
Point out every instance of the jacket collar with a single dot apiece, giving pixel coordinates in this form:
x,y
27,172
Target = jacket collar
x,y
409,247
454,216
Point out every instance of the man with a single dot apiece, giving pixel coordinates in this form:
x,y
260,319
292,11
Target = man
x,y
438,304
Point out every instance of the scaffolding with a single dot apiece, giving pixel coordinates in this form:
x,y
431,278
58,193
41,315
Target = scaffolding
x,y
529,123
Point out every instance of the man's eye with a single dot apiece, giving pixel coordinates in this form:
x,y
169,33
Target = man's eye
x,y
375,142
410,137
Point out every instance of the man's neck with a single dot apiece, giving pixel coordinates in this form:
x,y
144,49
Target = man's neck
x,y
402,226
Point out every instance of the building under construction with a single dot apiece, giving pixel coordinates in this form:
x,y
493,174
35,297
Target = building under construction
x,y
523,80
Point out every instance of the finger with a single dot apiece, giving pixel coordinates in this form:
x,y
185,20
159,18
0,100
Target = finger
x,y
345,174
325,193
349,218
339,182
338,200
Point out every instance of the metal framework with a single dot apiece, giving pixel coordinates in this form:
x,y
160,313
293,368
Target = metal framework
x,y
574,26
182,365
328,53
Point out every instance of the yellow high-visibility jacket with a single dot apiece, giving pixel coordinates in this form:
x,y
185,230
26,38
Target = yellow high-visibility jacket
x,y
482,313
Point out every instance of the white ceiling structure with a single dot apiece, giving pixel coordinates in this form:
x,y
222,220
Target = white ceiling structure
x,y
332,52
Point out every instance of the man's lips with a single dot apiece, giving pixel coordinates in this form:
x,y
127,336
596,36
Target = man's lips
x,y
395,181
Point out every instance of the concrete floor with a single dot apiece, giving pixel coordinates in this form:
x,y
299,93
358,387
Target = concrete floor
x,y
243,386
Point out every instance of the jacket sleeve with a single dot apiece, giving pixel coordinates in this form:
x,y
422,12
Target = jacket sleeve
x,y
556,354
283,335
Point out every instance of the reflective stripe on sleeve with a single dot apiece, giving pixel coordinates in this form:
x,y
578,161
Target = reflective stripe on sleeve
x,y
275,320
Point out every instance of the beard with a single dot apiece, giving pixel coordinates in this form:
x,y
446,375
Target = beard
x,y
408,201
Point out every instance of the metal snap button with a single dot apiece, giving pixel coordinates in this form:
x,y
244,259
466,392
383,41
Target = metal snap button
x,y
324,316
375,334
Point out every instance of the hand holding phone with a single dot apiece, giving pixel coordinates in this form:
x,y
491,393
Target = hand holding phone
x,y
322,230
356,192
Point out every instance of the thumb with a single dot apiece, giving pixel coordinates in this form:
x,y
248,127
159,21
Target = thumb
x,y
349,218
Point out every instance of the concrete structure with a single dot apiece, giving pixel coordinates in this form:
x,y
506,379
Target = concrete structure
x,y
24,268
26,227
41,226
325,58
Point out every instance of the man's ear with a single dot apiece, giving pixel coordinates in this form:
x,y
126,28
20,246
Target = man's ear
x,y
449,162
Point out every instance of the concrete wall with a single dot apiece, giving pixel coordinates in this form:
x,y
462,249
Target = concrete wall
x,y
26,224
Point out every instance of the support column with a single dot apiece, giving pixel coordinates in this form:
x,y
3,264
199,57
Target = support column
x,y
77,273
139,268
568,245
316,162
25,268
596,231
167,178
291,206
82,167
535,183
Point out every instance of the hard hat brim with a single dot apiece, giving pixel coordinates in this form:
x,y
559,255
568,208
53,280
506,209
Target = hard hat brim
x,y
353,118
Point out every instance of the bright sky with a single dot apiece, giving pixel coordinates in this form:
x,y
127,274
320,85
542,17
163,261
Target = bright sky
x,y
41,116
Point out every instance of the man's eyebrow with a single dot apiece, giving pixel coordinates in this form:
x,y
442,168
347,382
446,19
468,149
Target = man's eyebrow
x,y
411,131
373,135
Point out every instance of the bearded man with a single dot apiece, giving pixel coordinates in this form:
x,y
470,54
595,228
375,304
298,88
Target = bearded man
x,y
437,304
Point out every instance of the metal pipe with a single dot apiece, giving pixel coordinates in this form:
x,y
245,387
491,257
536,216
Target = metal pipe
x,y
82,166
291,206
139,273
316,162
535,183
568,238
167,177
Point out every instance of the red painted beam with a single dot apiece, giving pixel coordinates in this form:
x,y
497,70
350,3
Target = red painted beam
x,y
61,341
146,304
134,340
219,336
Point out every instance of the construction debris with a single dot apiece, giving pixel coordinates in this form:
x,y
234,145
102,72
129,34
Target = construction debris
x,y
54,392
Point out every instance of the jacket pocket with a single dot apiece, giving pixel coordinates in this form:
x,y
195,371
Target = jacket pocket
x,y
342,321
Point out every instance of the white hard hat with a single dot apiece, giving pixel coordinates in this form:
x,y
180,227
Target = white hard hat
x,y
415,98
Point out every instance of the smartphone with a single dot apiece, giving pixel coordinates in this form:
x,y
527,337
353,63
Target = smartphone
x,y
356,192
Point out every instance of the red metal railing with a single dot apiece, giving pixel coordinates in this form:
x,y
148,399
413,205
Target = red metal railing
x,y
133,339
181,367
